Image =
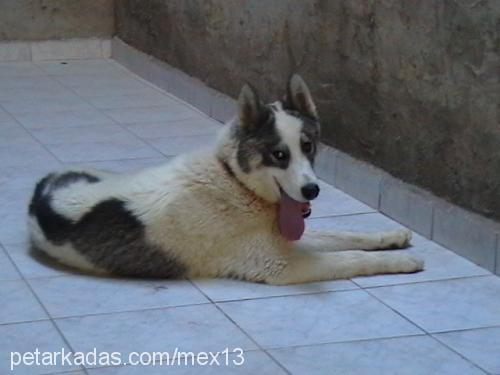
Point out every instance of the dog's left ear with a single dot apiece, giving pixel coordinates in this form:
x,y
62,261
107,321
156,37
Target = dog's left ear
x,y
250,109
298,97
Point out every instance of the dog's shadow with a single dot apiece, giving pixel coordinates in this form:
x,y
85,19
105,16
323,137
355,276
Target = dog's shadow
x,y
50,262
47,261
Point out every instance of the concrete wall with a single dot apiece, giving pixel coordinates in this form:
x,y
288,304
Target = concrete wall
x,y
55,19
410,86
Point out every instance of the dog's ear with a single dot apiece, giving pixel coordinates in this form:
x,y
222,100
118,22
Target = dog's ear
x,y
298,97
250,108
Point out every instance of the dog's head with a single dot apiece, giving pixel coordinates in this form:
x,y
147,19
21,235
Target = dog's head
x,y
274,145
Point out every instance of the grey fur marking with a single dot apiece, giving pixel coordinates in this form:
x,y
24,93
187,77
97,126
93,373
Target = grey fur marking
x,y
112,238
109,235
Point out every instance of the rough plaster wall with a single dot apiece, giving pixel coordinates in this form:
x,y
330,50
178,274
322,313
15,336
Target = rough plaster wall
x,y
55,19
410,86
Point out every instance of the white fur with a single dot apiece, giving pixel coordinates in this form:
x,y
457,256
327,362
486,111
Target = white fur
x,y
299,172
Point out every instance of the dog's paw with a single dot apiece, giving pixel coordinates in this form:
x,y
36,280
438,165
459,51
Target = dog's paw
x,y
397,239
406,263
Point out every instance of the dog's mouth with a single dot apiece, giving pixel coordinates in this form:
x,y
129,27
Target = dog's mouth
x,y
291,216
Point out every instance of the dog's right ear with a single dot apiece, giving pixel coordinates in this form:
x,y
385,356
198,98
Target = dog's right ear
x,y
250,108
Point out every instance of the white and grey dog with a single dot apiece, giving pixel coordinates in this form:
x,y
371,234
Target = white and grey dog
x,y
236,210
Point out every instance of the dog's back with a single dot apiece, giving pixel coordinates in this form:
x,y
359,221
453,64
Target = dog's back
x,y
81,219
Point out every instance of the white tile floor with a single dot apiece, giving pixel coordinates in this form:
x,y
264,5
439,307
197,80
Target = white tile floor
x,y
445,320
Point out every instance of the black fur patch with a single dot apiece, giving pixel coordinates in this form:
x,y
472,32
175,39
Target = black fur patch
x,y
261,139
109,236
112,238
55,226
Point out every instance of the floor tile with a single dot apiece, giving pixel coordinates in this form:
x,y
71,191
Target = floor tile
x,y
85,295
65,119
33,264
317,318
22,176
229,290
79,67
10,69
332,202
12,133
372,222
97,151
131,165
69,102
51,91
4,116
151,114
7,269
95,133
446,305
179,145
195,126
481,346
27,83
18,303
254,362
97,81
152,99
405,355
15,200
27,337
105,85
13,228
113,89
29,153
188,328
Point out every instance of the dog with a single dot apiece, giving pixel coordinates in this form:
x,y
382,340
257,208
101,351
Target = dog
x,y
234,210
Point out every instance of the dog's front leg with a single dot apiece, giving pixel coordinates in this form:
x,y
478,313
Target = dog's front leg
x,y
309,266
339,241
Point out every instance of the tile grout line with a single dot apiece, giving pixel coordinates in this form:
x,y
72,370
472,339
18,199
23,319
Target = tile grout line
x,y
343,215
433,337
163,91
127,311
122,126
102,112
13,116
426,281
419,327
37,298
211,301
215,304
3,250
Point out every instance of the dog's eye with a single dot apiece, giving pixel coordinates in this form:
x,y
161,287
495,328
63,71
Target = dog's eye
x,y
307,147
279,155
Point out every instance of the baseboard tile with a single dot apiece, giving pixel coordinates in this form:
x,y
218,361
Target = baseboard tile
x,y
90,48
192,90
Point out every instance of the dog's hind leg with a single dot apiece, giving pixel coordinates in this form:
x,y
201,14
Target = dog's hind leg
x,y
339,241
303,266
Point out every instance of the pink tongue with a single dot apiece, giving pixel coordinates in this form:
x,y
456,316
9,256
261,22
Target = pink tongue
x,y
290,219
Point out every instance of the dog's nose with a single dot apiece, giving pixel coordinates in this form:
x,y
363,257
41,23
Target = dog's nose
x,y
310,191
